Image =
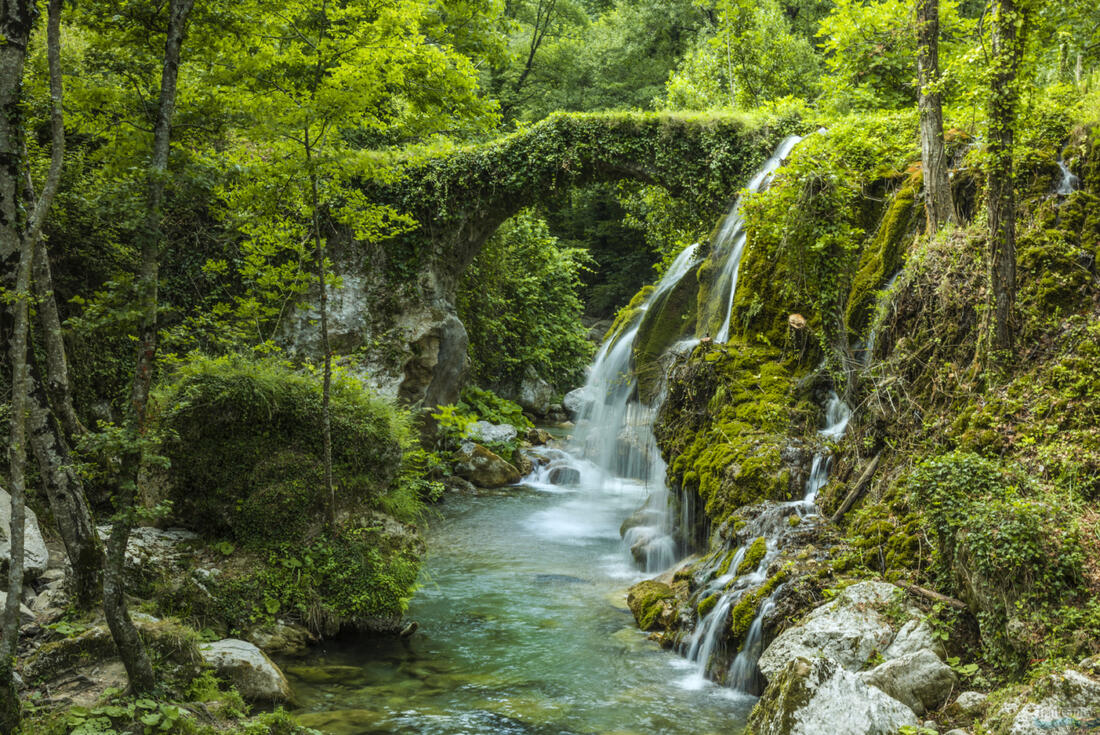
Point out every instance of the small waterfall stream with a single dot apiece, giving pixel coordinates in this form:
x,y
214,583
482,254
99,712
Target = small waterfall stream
x,y
730,241
1069,182
770,525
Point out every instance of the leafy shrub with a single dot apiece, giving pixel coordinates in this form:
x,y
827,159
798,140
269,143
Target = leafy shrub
x,y
244,442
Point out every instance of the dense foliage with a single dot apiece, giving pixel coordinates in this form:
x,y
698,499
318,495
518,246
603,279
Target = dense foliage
x,y
519,303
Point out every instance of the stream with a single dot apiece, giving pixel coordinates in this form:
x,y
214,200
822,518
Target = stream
x,y
523,629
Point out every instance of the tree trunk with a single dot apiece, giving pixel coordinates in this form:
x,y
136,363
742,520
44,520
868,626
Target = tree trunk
x,y
17,18
326,382
1009,34
53,344
131,649
68,503
939,205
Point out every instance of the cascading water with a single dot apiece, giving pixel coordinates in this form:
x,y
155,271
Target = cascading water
x,y
730,241
613,442
770,525
1069,182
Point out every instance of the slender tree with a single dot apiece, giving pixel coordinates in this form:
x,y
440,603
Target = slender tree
x,y
135,658
939,205
1011,20
48,439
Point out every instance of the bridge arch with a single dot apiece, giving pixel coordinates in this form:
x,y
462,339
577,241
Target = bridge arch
x,y
396,308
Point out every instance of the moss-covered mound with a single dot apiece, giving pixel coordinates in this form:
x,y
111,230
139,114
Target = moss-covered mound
x,y
244,442
730,412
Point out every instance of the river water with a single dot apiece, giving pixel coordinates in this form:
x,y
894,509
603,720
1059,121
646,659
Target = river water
x,y
523,629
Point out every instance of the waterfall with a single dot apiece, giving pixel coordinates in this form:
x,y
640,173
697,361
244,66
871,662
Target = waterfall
x,y
729,243
1069,182
878,319
772,525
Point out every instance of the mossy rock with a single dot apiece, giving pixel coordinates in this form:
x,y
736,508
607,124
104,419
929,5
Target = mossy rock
x,y
668,319
724,426
753,555
653,605
883,255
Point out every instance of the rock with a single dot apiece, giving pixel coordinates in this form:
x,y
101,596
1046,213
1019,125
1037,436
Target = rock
x,y
282,639
918,680
930,725
653,605
254,675
483,467
811,697
50,605
598,330
535,393
456,484
564,476
916,635
537,437
36,557
26,615
967,705
575,401
1050,706
484,432
956,731
849,630
522,463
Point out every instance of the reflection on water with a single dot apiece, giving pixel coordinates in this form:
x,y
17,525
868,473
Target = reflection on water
x,y
523,629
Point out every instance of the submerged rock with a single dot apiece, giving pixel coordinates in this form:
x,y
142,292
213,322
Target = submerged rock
x,y
919,680
813,697
282,639
483,467
254,675
36,556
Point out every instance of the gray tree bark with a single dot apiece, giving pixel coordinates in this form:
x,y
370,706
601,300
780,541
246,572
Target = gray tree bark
x,y
939,205
17,18
135,657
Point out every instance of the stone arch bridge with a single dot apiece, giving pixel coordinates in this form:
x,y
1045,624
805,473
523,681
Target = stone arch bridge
x,y
394,317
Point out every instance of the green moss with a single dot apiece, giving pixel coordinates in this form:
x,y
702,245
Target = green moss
x,y
753,555
629,314
725,422
668,319
882,255
706,605
744,612
648,600
724,567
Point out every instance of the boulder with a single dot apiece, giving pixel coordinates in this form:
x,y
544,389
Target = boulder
x,y
484,432
254,675
850,630
564,476
967,705
918,680
653,605
916,635
575,401
537,437
807,697
1052,705
281,639
26,615
532,393
36,557
483,467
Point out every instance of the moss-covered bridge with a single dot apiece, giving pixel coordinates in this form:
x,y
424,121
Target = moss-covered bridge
x,y
396,307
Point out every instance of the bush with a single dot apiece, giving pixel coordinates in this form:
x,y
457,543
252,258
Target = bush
x,y
244,442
